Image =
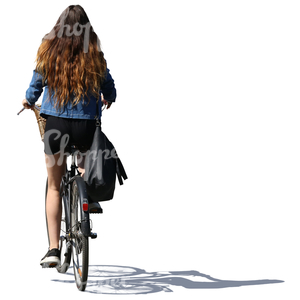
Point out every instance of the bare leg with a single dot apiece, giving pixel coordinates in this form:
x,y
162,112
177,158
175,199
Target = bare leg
x,y
80,163
53,205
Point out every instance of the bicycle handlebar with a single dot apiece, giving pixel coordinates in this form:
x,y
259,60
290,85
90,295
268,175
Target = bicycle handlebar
x,y
38,108
20,110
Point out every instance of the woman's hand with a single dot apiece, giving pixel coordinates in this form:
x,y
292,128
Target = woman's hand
x,y
108,104
26,105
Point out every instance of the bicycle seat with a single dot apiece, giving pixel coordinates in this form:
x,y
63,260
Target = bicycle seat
x,y
72,149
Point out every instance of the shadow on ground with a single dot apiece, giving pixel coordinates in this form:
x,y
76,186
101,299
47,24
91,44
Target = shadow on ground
x,y
124,280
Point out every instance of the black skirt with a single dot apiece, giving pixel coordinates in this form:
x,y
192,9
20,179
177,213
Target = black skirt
x,y
61,133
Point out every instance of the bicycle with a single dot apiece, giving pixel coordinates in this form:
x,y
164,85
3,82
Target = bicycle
x,y
75,224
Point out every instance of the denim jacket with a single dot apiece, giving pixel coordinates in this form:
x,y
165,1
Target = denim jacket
x,y
83,110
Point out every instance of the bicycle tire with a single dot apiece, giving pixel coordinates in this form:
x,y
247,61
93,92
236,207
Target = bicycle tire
x,y
65,256
79,238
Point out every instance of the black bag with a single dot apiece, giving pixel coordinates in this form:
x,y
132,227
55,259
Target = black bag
x,y
102,164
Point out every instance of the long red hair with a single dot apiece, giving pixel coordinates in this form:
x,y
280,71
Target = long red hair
x,y
70,58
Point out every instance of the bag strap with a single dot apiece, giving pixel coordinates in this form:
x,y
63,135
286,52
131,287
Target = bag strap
x,y
98,123
120,171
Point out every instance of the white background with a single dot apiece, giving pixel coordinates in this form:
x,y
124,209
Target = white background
x,y
207,126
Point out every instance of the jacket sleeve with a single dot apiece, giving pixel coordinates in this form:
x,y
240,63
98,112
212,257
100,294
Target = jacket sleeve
x,y
108,88
35,88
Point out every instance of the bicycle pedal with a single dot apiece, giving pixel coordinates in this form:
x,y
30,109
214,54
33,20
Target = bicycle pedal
x,y
95,208
93,235
96,211
49,265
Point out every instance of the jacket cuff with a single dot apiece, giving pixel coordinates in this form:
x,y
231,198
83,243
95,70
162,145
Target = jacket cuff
x,y
29,102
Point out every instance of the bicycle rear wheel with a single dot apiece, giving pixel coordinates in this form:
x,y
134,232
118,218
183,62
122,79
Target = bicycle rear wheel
x,y
79,238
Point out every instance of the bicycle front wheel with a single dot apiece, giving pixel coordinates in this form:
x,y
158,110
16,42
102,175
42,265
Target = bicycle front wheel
x,y
64,246
79,240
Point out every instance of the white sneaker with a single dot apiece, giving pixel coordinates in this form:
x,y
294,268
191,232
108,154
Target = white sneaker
x,y
51,259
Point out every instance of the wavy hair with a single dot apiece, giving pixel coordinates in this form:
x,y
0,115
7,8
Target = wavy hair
x,y
70,58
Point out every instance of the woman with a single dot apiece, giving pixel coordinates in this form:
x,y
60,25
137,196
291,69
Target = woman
x,y
72,69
